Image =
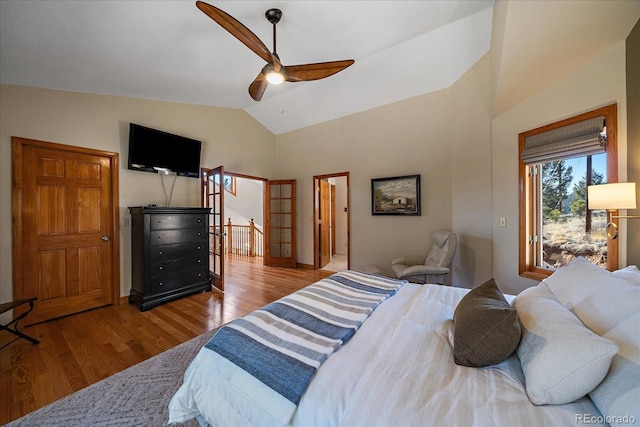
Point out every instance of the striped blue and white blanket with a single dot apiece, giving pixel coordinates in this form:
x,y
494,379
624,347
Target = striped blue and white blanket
x,y
284,343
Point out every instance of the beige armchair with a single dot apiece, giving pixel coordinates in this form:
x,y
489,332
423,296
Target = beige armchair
x,y
433,267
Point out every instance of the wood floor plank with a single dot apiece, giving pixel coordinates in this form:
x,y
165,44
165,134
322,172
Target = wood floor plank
x,y
76,351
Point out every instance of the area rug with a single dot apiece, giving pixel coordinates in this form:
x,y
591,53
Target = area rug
x,y
137,396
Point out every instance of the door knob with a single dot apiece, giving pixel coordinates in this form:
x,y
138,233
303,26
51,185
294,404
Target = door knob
x,y
105,238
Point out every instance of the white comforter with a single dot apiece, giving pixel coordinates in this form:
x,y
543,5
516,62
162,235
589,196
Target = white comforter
x,y
397,370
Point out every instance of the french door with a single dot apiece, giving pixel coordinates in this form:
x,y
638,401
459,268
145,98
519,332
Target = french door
x,y
213,198
280,223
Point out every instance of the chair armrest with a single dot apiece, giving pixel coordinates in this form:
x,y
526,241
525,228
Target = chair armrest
x,y
424,269
409,260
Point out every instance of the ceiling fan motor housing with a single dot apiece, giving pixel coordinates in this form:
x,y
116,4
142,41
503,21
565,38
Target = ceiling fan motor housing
x,y
273,15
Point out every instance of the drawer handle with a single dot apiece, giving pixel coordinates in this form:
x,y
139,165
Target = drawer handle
x,y
159,252
199,247
199,261
160,283
199,274
199,221
199,234
160,268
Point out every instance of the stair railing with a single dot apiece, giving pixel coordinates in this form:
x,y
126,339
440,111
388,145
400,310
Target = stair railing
x,y
244,240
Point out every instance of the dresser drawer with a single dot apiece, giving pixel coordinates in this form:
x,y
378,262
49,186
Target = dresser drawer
x,y
176,280
185,250
162,268
168,221
164,237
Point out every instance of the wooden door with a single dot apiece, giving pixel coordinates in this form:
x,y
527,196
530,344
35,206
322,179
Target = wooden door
x,y
324,223
280,223
65,227
317,213
213,198
333,219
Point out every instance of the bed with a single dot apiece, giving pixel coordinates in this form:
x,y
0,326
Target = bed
x,y
576,359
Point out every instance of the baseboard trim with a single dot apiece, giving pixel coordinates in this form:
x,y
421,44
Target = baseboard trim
x,y
304,266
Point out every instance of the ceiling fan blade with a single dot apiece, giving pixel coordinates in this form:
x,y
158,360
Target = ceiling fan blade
x,y
317,71
236,29
258,86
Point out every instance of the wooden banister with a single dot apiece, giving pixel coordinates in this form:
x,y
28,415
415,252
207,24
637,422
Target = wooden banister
x,y
244,239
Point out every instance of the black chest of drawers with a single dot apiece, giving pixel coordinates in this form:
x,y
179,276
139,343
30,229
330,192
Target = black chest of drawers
x,y
169,254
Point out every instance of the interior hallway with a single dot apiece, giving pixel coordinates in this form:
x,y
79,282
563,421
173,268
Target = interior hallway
x,y
337,263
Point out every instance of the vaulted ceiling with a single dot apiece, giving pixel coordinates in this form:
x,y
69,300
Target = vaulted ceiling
x,y
170,50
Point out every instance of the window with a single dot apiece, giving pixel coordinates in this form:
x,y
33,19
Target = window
x,y
556,164
230,184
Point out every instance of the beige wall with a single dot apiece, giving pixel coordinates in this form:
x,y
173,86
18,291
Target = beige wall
x,y
633,140
443,136
472,213
599,83
467,161
230,137
404,138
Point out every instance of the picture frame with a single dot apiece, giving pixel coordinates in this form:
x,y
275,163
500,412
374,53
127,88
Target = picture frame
x,y
398,195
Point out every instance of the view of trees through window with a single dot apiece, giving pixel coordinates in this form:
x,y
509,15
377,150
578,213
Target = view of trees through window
x,y
570,230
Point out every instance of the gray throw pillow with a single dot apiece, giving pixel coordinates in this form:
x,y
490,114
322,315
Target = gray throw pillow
x,y
486,328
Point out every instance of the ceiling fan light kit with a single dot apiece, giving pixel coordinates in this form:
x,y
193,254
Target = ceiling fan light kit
x,y
274,77
274,72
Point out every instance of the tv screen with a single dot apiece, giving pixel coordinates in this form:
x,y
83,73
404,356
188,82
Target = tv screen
x,y
152,150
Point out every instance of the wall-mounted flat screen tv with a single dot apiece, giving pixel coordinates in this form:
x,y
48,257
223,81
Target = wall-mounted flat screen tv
x,y
152,150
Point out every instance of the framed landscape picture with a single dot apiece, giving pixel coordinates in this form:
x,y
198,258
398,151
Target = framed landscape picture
x,y
398,195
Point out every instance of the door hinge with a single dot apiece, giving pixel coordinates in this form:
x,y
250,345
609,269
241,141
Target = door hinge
x,y
533,239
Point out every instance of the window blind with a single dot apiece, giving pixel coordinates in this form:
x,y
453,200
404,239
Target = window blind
x,y
575,140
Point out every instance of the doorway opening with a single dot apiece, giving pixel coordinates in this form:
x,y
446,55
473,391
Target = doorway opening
x,y
331,222
225,238
244,214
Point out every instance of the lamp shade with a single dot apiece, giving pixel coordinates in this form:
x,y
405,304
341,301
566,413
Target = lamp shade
x,y
620,195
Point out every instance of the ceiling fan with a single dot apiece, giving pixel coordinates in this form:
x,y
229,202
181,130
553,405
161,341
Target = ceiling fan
x,y
274,72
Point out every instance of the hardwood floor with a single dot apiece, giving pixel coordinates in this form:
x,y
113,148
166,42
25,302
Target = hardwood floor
x,y
79,350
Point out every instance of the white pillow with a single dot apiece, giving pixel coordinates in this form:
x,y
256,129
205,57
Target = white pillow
x,y
599,299
631,274
609,306
618,395
562,360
